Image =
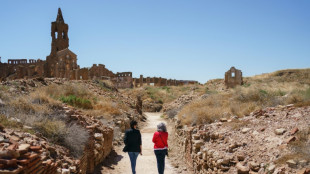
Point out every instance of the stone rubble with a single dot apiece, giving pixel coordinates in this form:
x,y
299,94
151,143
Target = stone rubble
x,y
251,144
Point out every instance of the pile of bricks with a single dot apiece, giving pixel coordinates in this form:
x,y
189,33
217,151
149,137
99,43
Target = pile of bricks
x,y
24,153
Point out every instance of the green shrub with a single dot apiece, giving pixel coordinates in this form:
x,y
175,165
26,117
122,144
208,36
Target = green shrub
x,y
166,88
76,101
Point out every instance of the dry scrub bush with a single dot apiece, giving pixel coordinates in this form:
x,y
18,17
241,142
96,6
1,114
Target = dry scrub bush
x,y
6,122
75,139
53,130
243,100
204,110
106,109
164,94
106,85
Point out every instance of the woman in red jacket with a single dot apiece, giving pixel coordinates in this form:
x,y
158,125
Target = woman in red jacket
x,y
160,140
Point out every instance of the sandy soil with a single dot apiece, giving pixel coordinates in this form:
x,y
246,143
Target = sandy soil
x,y
118,162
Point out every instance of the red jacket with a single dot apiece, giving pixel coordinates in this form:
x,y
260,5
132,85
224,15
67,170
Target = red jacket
x,y
160,140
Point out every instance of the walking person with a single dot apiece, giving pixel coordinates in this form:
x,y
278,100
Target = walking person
x,y
133,144
160,140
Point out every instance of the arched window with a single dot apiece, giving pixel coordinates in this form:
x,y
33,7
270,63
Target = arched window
x,y
63,35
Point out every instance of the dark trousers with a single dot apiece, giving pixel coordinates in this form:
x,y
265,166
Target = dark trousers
x,y
160,157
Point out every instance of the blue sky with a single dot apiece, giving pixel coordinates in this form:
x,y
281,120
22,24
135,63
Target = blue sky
x,y
180,39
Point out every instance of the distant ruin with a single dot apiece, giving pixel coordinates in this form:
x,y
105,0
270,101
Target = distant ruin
x,y
159,81
62,63
233,77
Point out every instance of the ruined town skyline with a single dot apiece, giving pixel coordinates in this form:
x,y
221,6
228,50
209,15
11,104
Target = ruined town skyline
x,y
162,44
62,63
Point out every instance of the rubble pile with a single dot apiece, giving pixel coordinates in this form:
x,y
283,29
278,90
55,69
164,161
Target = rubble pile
x,y
25,153
179,103
253,144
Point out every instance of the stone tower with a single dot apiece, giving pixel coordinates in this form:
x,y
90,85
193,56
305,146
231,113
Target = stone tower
x,y
59,33
61,63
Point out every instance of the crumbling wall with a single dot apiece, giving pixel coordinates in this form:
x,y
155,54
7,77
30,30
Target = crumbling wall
x,y
83,74
123,80
100,72
233,77
159,81
20,68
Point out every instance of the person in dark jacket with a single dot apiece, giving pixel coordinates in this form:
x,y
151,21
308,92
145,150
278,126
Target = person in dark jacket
x,y
133,142
160,140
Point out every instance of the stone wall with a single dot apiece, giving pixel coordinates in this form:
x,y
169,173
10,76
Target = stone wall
x,y
233,77
20,68
159,81
83,74
100,141
100,72
123,80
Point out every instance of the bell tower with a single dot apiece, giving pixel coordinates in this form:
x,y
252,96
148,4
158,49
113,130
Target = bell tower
x,y
59,33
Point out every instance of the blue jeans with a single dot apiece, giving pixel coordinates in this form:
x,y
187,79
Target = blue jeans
x,y
160,157
133,159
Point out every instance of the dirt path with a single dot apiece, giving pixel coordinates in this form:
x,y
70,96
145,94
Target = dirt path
x,y
119,163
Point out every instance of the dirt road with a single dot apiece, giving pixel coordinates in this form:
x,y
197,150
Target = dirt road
x,y
119,162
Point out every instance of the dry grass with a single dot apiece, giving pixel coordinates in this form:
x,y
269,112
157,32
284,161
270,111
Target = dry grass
x,y
266,90
106,109
54,130
299,148
164,94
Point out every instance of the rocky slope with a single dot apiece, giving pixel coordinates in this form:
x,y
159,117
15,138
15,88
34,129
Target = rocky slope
x,y
24,149
272,140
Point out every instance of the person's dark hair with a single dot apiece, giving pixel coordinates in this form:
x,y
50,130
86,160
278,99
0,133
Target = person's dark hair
x,y
133,123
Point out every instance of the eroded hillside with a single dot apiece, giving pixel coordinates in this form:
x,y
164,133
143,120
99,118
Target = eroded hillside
x,y
54,125
259,127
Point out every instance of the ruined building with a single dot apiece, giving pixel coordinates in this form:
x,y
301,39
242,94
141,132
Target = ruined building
x,y
62,63
233,77
159,81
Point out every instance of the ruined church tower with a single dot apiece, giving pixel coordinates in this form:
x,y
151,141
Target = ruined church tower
x,y
59,33
61,63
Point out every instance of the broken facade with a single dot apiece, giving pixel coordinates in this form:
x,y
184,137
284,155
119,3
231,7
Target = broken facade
x,y
233,77
123,80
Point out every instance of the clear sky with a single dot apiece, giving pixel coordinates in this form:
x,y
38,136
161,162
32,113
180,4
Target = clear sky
x,y
180,39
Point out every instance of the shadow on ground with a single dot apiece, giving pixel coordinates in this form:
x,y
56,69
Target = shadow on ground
x,y
109,162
